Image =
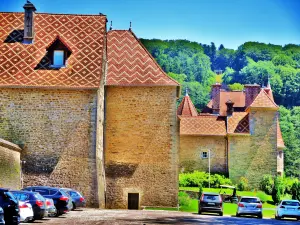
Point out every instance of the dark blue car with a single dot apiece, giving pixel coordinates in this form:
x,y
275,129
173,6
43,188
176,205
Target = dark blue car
x,y
77,198
59,197
2,222
10,205
35,199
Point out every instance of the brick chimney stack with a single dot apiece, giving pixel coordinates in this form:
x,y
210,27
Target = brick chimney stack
x,y
28,22
251,91
215,94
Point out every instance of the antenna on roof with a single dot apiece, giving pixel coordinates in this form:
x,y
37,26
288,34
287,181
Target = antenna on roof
x,y
186,92
110,28
130,26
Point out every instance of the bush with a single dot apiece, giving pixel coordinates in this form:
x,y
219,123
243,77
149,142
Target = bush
x,y
197,178
243,184
278,189
296,191
262,196
184,199
266,184
288,183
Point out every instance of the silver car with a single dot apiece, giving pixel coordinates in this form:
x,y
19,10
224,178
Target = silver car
x,y
288,208
249,206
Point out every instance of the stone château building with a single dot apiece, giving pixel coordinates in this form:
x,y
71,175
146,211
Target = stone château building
x,y
91,109
239,129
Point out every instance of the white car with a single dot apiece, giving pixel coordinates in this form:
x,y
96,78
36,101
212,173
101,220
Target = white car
x,y
288,208
26,212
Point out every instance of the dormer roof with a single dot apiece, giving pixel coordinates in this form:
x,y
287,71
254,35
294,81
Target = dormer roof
x,y
186,107
130,64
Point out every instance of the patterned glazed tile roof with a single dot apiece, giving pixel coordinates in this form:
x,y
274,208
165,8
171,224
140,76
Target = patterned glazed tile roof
x,y
130,64
263,100
202,125
238,123
280,142
186,107
238,97
28,65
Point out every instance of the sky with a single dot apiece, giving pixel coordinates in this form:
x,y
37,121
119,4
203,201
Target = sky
x,y
227,22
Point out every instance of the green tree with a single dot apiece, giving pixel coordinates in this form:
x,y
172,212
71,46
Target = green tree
x,y
236,87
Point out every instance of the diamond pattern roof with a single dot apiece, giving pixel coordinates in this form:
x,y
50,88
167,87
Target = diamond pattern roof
x,y
238,123
130,64
263,100
202,125
28,64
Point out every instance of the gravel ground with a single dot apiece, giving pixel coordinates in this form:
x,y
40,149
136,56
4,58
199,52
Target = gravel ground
x,y
141,217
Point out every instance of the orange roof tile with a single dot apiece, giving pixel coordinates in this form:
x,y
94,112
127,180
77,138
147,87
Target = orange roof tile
x,y
280,142
130,64
28,64
238,123
238,97
263,100
186,107
202,125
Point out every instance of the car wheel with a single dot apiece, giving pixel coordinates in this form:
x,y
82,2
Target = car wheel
x,y
221,214
260,216
199,211
74,206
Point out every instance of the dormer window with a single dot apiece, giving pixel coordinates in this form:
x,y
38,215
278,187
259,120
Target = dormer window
x,y
58,58
58,53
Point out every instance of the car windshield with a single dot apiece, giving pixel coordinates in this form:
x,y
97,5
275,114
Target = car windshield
x,y
290,203
39,196
20,196
11,196
250,200
211,197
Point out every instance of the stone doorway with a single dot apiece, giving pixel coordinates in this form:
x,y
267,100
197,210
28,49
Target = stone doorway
x,y
133,200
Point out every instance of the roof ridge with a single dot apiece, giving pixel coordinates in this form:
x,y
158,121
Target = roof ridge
x,y
67,14
262,92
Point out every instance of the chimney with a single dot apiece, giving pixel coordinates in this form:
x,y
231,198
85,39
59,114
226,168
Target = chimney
x,y
28,22
215,95
229,105
251,91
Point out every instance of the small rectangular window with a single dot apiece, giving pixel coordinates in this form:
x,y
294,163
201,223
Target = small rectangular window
x,y
204,154
58,58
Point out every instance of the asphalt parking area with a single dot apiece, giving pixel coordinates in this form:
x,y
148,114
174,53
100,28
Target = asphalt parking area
x,y
141,217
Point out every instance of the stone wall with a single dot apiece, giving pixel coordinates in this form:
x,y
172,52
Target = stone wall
x,y
58,129
141,146
255,155
10,170
190,157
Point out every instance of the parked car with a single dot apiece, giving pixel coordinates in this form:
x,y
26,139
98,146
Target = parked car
x,y
2,222
26,212
50,207
288,208
249,206
35,199
211,202
10,206
77,198
60,199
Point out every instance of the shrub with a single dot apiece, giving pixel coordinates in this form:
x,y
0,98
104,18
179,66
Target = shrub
x,y
197,178
184,199
243,184
288,183
263,196
277,190
266,184
296,191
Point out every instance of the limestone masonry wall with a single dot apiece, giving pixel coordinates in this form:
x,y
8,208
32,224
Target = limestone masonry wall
x,y
255,155
191,148
141,146
10,171
58,130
